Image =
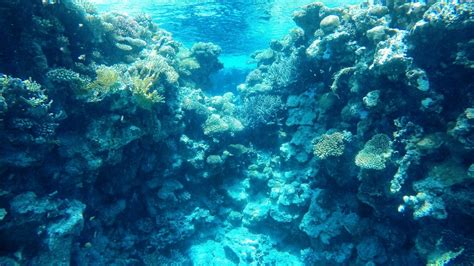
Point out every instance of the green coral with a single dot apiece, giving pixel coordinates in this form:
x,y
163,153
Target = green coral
x,y
28,96
375,153
329,145
36,98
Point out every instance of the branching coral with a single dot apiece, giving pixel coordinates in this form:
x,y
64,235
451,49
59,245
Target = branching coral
x,y
440,256
144,95
424,205
86,6
157,67
106,79
125,33
27,122
284,71
68,78
261,110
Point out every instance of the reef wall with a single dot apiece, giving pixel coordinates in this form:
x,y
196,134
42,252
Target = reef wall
x,y
351,143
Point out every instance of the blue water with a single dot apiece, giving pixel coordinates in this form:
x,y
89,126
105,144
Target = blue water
x,y
156,139
239,27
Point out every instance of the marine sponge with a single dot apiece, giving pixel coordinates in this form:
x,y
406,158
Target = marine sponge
x,y
375,153
330,145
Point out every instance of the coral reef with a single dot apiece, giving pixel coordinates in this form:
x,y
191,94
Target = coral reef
x,y
375,153
350,143
331,145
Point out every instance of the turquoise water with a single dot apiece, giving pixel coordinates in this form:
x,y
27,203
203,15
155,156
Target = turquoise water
x,y
239,27
238,133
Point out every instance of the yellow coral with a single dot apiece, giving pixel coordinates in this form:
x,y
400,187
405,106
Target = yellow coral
x,y
157,67
144,96
106,79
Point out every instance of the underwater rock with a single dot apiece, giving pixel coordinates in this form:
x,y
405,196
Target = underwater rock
x,y
391,56
464,128
372,98
201,62
329,23
57,221
28,122
308,17
377,33
370,249
323,223
350,142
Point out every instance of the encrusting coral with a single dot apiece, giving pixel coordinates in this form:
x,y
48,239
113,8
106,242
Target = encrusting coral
x,y
350,143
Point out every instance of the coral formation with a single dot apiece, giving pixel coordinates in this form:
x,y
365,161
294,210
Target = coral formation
x,y
350,143
330,145
375,153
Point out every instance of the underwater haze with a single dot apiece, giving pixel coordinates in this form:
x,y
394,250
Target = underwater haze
x,y
236,132
240,27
